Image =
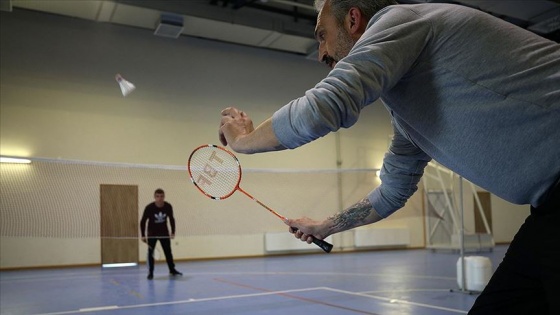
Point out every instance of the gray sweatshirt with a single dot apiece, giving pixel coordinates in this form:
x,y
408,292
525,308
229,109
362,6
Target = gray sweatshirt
x,y
475,93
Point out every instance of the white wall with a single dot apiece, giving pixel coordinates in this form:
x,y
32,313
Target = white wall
x,y
59,100
507,218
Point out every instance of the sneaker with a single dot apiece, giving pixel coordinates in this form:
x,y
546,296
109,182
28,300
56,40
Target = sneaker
x,y
175,273
150,276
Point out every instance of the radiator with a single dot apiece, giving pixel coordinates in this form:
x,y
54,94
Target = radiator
x,y
381,237
284,242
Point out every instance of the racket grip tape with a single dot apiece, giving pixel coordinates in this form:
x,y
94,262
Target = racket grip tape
x,y
326,246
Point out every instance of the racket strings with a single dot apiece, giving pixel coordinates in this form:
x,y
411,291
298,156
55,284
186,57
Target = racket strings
x,y
214,171
217,173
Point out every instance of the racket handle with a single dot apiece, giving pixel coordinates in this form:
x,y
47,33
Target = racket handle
x,y
326,246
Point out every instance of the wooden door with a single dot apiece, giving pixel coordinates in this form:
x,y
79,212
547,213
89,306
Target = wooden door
x,y
486,204
119,224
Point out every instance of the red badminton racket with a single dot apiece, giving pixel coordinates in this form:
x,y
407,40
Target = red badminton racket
x,y
216,172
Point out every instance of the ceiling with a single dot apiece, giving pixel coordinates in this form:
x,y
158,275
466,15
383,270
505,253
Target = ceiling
x,y
285,25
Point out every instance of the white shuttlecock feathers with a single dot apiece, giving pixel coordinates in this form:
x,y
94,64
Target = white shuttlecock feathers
x,y
126,87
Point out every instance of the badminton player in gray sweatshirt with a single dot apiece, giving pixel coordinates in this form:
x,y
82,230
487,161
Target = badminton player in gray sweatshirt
x,y
475,93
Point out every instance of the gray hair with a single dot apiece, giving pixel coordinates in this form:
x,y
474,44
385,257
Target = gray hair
x,y
340,8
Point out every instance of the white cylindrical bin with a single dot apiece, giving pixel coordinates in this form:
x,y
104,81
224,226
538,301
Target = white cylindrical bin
x,y
478,270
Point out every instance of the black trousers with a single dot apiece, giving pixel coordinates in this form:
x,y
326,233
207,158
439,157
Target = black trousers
x,y
527,281
166,245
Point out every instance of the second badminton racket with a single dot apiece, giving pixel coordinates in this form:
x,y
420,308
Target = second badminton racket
x,y
216,172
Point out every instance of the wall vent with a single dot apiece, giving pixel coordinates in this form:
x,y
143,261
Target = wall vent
x,y
170,25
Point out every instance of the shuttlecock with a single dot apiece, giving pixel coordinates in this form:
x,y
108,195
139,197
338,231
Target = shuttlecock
x,y
126,87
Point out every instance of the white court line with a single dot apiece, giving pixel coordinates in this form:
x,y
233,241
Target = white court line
x,y
218,298
102,308
227,297
390,300
406,290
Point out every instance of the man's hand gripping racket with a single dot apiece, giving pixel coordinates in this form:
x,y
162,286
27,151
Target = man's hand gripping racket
x,y
216,172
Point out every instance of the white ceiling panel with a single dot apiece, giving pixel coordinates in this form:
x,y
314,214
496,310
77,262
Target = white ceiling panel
x,y
223,31
106,11
135,16
81,9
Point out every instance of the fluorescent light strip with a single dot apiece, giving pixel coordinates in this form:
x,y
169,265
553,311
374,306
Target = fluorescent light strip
x,y
119,265
4,159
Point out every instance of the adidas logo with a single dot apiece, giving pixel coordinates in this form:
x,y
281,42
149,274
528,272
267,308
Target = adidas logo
x,y
160,217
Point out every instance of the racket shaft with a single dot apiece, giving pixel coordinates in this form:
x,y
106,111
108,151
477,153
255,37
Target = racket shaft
x,y
326,246
283,218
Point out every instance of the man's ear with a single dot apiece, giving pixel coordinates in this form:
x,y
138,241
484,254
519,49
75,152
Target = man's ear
x,y
355,21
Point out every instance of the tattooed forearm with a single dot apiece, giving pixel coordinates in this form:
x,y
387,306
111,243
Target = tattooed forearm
x,y
359,214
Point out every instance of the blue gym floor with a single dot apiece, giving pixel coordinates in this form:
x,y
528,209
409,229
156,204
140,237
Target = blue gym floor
x,y
378,282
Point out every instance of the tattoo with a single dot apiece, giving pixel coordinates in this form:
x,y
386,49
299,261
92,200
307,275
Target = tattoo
x,y
353,217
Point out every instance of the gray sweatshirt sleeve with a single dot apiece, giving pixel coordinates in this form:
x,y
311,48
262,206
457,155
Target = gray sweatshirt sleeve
x,y
389,47
402,169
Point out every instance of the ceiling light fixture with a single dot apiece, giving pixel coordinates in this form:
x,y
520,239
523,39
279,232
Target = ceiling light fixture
x,y
5,159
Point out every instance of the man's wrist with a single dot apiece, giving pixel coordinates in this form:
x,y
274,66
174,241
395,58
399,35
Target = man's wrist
x,y
327,228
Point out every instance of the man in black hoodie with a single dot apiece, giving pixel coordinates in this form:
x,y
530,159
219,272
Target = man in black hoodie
x,y
157,214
